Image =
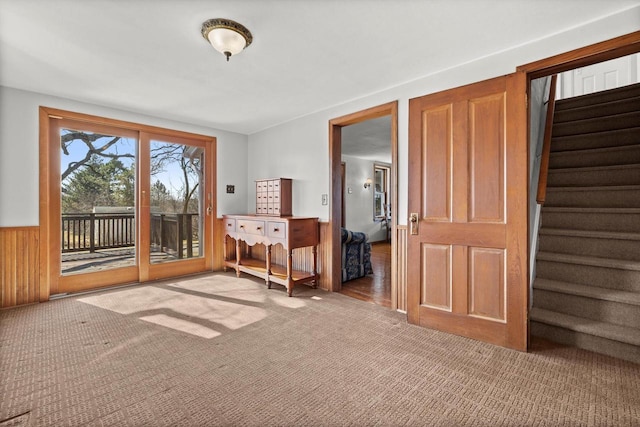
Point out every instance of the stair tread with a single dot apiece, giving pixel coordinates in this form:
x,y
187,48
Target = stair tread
x,y
571,209
621,264
622,92
617,235
600,150
633,100
616,135
596,188
609,331
596,168
605,294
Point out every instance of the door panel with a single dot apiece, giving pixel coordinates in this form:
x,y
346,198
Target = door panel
x,y
486,159
486,283
176,201
437,155
436,280
92,169
467,151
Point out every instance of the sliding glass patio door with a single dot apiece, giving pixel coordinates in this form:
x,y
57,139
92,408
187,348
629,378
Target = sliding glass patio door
x,y
129,205
176,205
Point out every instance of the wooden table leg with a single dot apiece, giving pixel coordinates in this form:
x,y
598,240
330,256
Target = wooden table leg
x,y
238,257
225,253
268,275
290,271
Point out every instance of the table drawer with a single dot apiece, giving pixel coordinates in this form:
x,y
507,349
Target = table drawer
x,y
277,229
251,227
229,224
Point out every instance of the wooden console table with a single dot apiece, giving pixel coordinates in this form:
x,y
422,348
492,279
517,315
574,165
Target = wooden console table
x,y
291,232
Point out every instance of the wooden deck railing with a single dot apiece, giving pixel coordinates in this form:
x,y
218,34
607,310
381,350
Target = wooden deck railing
x,y
546,145
171,233
91,231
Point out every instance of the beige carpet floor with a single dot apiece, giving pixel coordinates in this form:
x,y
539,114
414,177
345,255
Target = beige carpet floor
x,y
217,350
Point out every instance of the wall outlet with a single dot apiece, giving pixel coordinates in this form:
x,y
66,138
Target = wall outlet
x,y
231,189
325,199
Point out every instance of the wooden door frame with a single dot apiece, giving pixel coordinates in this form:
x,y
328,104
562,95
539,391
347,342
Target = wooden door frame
x,y
335,158
627,44
48,208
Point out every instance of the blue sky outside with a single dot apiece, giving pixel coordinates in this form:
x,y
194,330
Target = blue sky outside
x,y
171,175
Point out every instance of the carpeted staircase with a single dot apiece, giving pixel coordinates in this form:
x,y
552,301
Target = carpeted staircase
x,y
587,287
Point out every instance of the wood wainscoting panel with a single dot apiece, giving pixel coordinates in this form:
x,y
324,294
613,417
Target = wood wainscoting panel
x,y
19,266
324,257
401,267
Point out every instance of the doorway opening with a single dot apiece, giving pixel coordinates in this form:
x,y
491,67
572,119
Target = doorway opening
x,y
366,155
590,142
363,153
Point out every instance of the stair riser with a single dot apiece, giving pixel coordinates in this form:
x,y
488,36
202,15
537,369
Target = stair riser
x,y
622,121
603,277
596,140
625,176
591,221
601,248
585,341
589,308
626,156
624,92
599,110
627,198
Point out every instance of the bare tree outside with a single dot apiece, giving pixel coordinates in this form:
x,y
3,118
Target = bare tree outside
x,y
98,195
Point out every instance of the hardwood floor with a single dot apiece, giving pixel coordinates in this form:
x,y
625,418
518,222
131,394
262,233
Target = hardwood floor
x,y
376,287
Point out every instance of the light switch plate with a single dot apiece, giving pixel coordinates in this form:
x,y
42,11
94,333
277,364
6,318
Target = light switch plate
x,y
325,199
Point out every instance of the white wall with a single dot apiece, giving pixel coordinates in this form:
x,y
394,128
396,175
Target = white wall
x,y
359,203
299,149
19,190
538,103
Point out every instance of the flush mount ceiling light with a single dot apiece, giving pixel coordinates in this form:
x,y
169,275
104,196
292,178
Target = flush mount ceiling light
x,y
226,36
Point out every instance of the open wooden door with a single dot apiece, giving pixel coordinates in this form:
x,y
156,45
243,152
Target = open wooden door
x,y
467,243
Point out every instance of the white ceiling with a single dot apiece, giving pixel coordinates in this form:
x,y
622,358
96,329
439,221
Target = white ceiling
x,y
148,56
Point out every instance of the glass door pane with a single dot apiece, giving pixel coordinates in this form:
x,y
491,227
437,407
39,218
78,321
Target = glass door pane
x,y
176,201
97,199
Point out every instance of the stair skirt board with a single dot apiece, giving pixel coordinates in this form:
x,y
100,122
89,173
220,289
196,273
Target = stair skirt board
x,y
589,342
